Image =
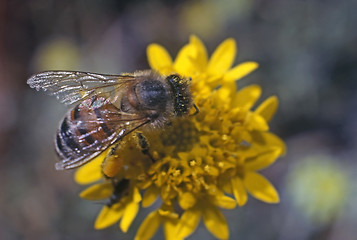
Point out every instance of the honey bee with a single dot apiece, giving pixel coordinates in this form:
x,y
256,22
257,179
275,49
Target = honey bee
x,y
109,107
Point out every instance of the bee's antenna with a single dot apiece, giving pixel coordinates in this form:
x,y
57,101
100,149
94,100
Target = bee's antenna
x,y
109,203
102,203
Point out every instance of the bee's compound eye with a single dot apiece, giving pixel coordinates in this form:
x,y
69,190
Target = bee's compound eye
x,y
151,94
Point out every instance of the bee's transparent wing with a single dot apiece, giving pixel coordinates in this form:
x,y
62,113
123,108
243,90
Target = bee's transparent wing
x,y
72,86
123,127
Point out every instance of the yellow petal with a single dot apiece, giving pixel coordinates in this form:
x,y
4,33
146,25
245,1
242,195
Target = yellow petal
x,y
150,196
222,58
188,222
224,93
97,191
108,216
131,209
226,185
201,53
215,222
246,97
260,188
167,213
149,226
170,229
91,171
256,122
263,160
186,200
268,108
240,71
184,62
136,195
239,192
159,59
223,201
268,139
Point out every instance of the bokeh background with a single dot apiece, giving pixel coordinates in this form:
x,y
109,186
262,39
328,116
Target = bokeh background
x,y
307,50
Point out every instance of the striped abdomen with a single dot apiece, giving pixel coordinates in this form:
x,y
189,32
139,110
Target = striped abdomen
x,y
84,131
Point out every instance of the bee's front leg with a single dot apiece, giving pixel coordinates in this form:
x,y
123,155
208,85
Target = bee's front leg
x,y
144,145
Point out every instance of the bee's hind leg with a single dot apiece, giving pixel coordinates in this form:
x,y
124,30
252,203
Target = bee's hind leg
x,y
112,163
144,145
120,189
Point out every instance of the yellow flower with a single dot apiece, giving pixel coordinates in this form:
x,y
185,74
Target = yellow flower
x,y
204,162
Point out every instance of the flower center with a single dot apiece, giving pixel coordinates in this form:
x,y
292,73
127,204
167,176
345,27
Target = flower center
x,y
182,134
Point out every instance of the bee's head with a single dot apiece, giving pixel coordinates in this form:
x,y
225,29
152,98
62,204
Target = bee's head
x,y
182,95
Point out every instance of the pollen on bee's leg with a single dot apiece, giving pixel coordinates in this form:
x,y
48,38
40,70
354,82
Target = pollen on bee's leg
x,y
112,163
111,166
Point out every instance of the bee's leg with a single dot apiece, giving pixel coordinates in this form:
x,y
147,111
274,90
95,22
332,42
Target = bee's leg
x,y
120,189
197,110
144,145
112,163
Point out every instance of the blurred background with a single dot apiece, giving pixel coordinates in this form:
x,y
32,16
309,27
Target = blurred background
x,y
307,50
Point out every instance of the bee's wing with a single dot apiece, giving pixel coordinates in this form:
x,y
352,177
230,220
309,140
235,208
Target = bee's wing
x,y
71,86
122,125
